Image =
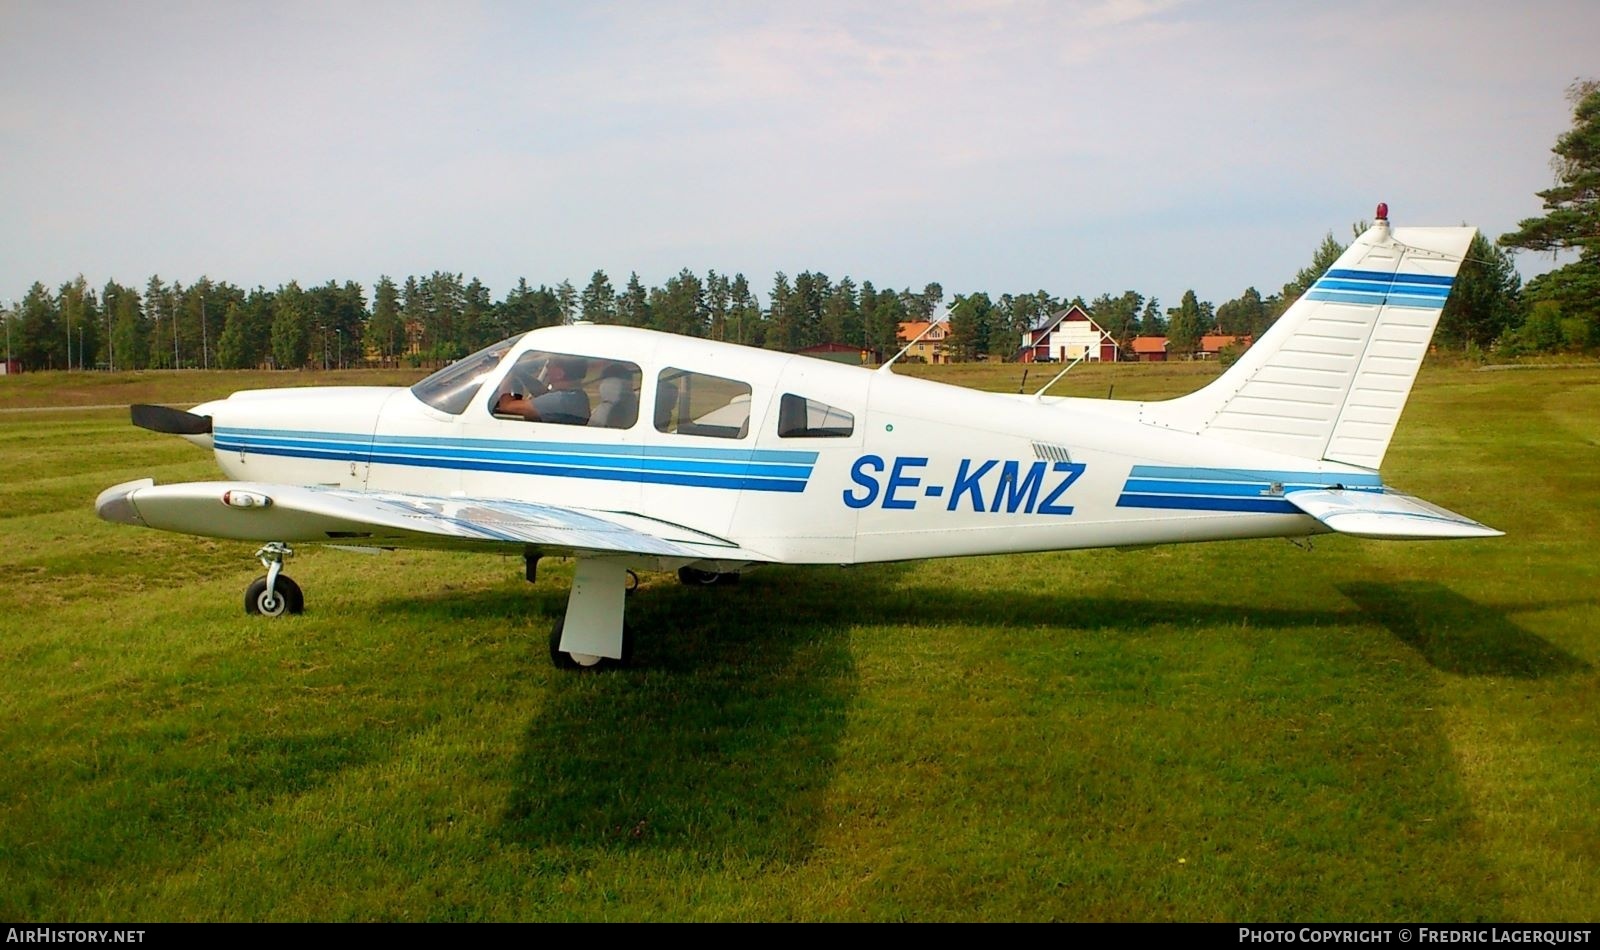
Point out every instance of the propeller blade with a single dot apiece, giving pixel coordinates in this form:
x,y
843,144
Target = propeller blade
x,y
169,420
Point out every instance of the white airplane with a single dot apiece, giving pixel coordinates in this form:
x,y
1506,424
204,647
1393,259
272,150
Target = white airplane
x,y
743,457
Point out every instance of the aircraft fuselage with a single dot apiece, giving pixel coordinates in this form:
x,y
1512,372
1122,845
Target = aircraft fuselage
x,y
799,459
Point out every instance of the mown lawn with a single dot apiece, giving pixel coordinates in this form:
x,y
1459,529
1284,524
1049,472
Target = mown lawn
x,y
1244,731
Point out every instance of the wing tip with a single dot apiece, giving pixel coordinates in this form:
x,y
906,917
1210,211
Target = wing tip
x,y
115,504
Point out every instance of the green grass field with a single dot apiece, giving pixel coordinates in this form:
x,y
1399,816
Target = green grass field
x,y
1245,731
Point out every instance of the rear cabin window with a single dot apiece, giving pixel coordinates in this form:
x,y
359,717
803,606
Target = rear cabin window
x,y
802,418
568,389
689,403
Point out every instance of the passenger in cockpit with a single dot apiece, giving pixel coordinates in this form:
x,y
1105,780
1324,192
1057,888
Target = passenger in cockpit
x,y
563,400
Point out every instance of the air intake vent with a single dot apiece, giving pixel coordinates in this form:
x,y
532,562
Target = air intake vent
x,y
1055,453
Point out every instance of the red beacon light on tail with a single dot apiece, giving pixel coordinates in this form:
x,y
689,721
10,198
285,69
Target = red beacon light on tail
x,y
1383,211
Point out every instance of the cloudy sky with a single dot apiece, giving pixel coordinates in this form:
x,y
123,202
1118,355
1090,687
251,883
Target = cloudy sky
x,y
996,145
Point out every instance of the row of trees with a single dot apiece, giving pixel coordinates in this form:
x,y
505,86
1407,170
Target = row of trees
x,y
442,316
435,318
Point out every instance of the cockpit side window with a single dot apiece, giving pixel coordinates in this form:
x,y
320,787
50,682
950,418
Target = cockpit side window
x,y
451,389
802,418
690,403
568,389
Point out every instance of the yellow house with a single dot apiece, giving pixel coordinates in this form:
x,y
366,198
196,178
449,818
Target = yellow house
x,y
931,348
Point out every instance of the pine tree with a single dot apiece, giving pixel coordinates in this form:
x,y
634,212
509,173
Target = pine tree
x,y
233,346
385,332
633,307
130,336
745,313
39,342
599,300
1244,315
1152,323
291,335
1483,302
782,329
161,345
568,296
719,304
1184,326
1572,221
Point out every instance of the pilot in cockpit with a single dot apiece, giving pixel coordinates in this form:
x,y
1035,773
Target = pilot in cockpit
x,y
562,399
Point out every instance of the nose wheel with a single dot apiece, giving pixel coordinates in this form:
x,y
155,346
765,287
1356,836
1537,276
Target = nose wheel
x,y
274,594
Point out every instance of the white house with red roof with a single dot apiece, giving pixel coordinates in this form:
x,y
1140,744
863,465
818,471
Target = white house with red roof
x,y
1064,336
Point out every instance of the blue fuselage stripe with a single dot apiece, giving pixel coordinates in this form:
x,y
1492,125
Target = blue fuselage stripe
x,y
1261,505
791,457
1260,476
1150,486
748,483
745,469
1220,489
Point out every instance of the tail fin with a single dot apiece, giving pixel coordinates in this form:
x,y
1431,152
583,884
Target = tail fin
x,y
1329,379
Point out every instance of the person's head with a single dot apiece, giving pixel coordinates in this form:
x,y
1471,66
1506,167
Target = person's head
x,y
564,369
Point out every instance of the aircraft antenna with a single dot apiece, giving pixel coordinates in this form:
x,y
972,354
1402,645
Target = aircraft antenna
x,y
1052,382
925,331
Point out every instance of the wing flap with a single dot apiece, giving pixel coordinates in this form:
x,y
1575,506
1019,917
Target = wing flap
x,y
1387,515
292,513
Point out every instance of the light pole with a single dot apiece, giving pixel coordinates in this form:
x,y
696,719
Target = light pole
x,y
205,360
338,336
6,312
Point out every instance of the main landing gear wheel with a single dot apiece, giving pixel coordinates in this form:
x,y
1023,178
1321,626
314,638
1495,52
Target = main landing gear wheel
x,y
285,598
274,594
587,661
694,577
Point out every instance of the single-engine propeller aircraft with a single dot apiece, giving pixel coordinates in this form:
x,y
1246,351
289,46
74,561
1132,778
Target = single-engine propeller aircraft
x,y
631,449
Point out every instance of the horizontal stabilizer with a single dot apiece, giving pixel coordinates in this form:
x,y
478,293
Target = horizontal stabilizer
x,y
1387,515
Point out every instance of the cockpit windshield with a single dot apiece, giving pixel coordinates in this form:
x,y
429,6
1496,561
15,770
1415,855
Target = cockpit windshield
x,y
452,388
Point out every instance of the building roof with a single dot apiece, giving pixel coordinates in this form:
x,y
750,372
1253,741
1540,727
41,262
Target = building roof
x,y
911,329
1149,344
1047,324
1212,342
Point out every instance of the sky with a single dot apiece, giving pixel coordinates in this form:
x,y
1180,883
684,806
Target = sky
x,y
1079,148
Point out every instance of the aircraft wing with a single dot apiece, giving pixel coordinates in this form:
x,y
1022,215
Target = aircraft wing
x,y
256,511
1388,515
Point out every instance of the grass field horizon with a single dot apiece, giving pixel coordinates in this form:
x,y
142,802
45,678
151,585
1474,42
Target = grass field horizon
x,y
1243,731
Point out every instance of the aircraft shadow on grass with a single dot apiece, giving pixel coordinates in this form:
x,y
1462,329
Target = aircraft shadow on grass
x,y
1457,635
725,740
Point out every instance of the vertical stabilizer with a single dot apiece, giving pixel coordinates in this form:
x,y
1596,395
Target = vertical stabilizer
x,y
1331,376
